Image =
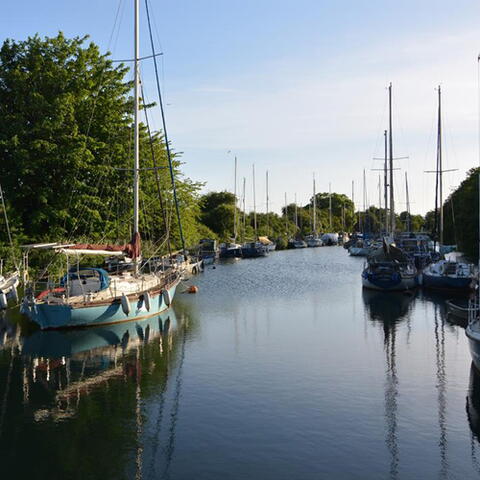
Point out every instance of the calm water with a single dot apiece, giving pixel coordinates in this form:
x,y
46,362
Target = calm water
x,y
280,368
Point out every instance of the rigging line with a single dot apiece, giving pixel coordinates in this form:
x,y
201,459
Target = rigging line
x,y
114,24
119,25
161,47
157,176
90,121
127,60
103,174
169,156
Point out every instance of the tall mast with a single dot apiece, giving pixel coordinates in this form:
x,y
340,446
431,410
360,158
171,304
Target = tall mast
x,y
392,202
244,219
353,202
364,202
136,162
286,214
439,162
408,226
235,203
296,212
268,218
314,207
385,181
330,204
254,204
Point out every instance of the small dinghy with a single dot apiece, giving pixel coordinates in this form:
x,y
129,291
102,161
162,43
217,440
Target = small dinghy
x,y
460,310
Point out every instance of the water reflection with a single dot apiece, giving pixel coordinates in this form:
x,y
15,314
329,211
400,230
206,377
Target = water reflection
x,y
86,386
388,309
441,387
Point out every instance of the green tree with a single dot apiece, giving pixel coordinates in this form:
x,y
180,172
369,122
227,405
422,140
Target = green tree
x,y
66,148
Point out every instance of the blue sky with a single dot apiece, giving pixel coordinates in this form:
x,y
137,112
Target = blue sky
x,y
297,87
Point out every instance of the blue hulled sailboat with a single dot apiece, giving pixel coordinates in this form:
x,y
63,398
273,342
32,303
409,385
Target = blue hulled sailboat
x,y
92,296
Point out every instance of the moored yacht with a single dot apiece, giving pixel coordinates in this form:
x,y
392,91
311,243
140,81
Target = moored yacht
x,y
88,295
389,269
254,250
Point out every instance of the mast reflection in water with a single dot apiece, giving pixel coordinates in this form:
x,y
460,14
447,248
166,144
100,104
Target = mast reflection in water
x,y
388,308
86,389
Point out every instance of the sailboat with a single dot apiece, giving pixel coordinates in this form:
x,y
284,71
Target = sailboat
x,y
88,296
447,274
256,248
330,239
271,245
10,281
388,267
314,240
232,249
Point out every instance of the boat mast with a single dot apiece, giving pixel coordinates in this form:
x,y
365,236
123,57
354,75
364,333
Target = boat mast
x,y
353,203
136,141
385,181
392,204
286,214
235,203
439,163
314,208
408,225
244,219
330,204
254,204
296,212
364,203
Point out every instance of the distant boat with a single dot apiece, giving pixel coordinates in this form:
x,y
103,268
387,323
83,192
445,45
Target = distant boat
x,y
389,269
296,243
329,239
271,246
254,250
313,241
207,250
361,248
230,250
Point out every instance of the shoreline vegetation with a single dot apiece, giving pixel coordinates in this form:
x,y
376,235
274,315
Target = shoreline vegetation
x,y
66,166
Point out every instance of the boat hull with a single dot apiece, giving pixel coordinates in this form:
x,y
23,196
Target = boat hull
x,y
51,316
444,282
254,252
474,345
388,284
230,253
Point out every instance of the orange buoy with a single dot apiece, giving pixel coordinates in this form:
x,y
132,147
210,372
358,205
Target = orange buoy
x,y
192,289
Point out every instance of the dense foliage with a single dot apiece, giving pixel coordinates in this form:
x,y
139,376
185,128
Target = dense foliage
x,y
67,153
